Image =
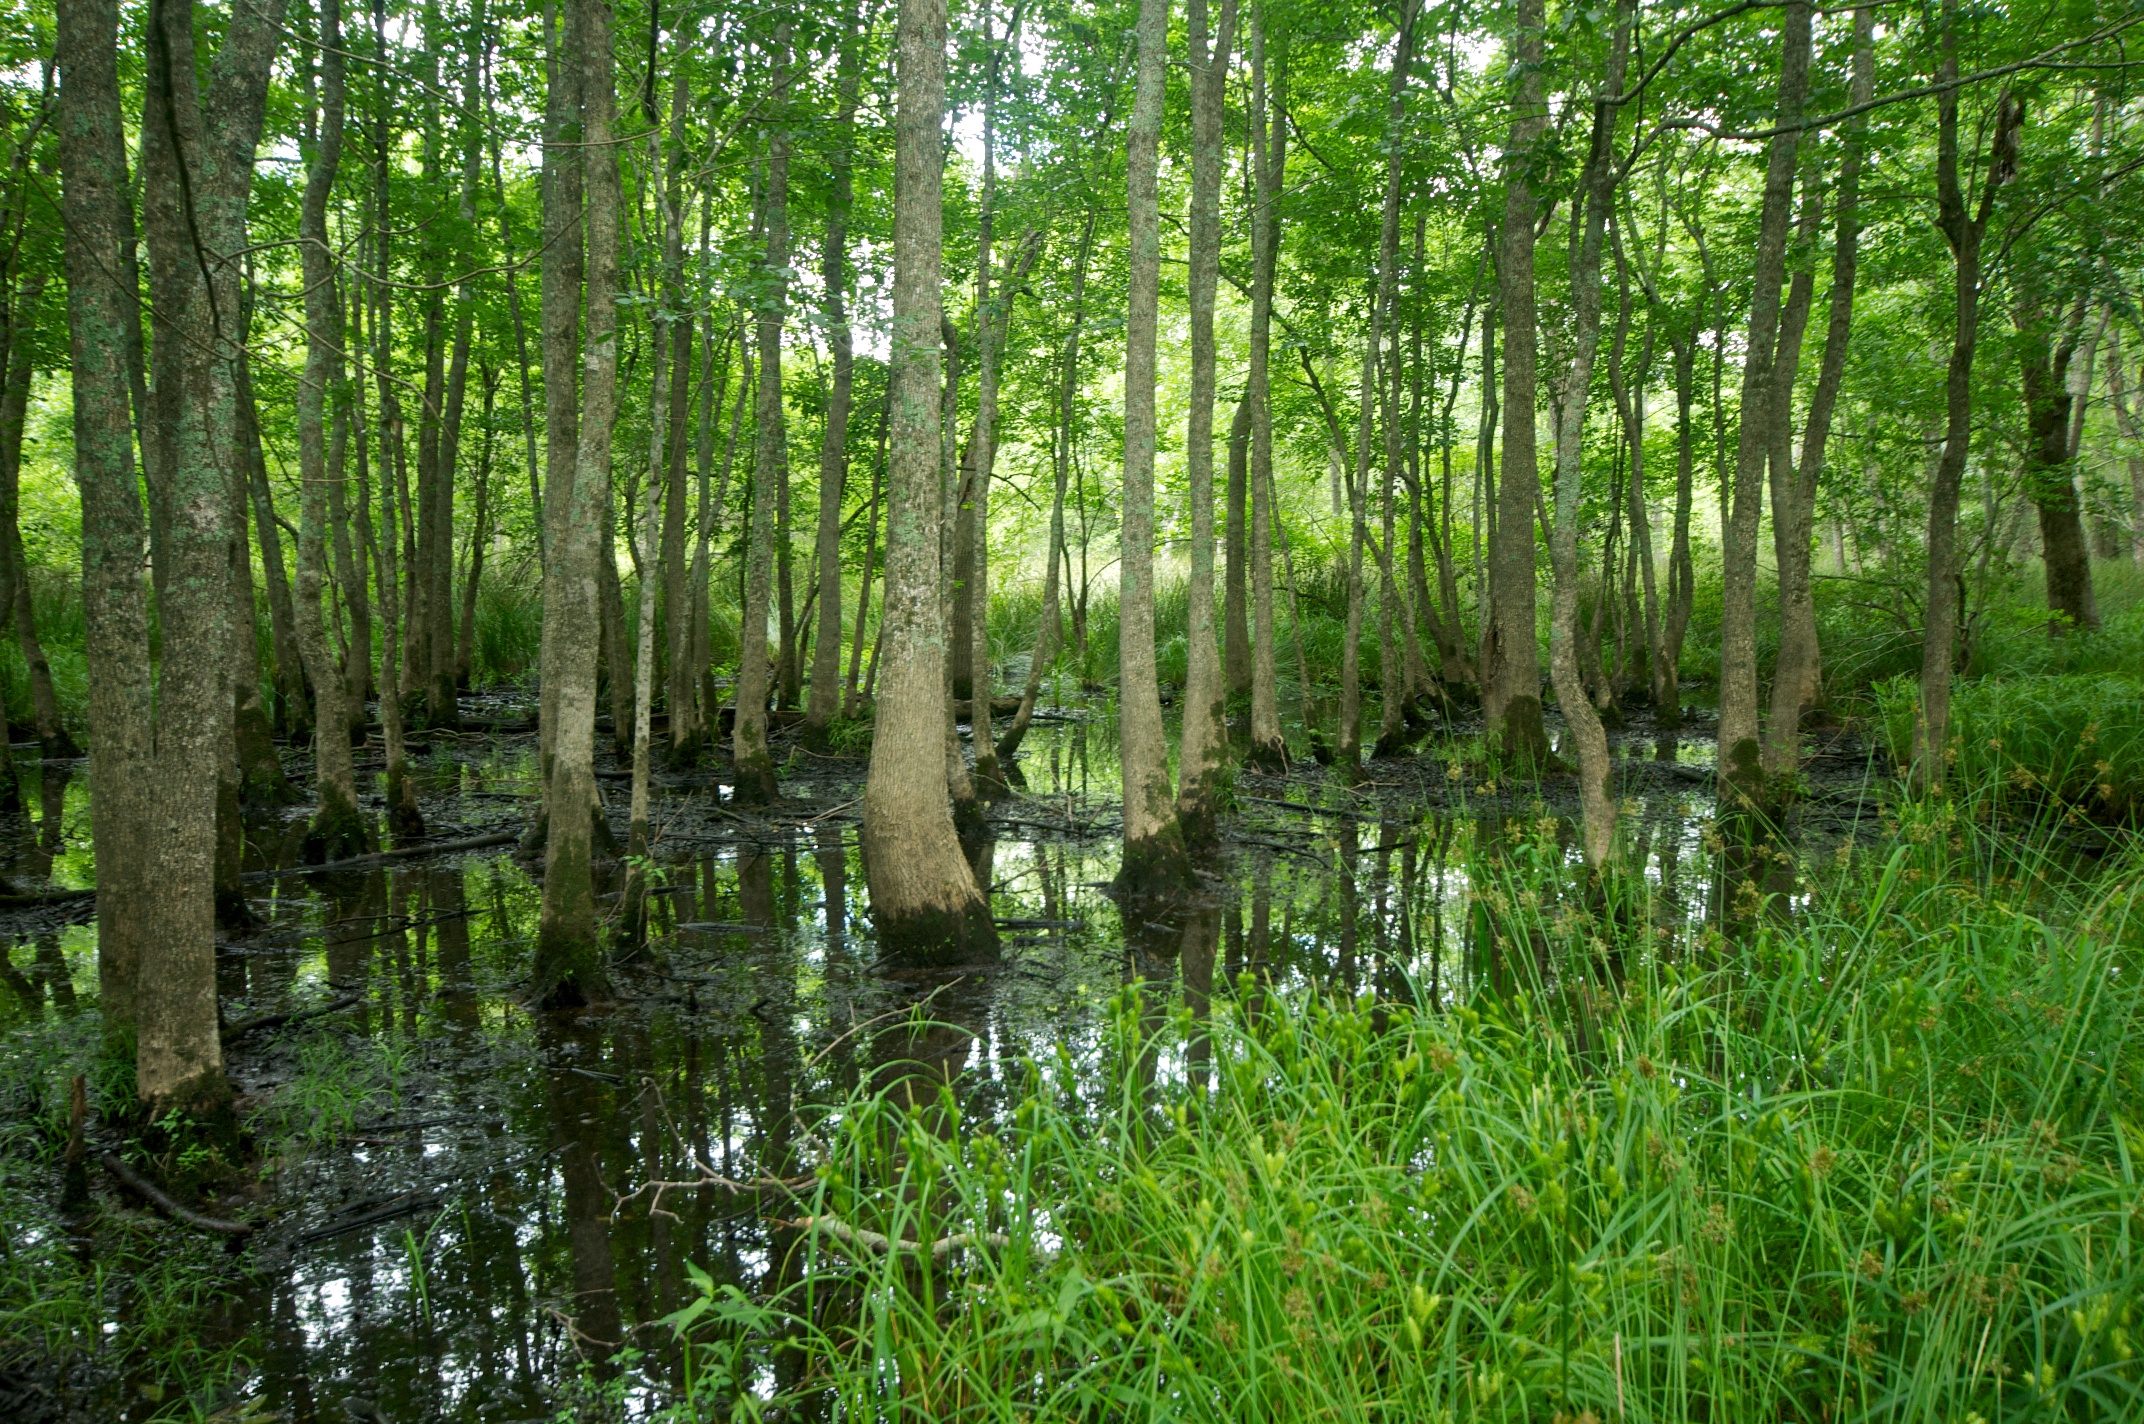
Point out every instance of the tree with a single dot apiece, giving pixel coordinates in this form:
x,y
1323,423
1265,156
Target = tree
x,y
924,898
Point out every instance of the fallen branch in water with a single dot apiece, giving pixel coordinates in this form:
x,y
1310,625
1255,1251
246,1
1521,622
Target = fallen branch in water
x,y
260,1021
849,1235
384,857
157,1197
709,1180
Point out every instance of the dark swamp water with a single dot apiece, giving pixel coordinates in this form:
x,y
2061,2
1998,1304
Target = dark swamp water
x,y
457,1224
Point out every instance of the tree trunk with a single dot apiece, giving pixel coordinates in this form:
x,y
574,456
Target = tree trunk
x,y
753,762
1741,773
569,968
14,410
1797,677
1384,318
338,829
261,781
291,674
1581,719
2050,475
1269,157
1153,846
1235,609
679,690
1061,469
102,311
1511,657
2131,429
852,697
559,319
1205,734
825,702
197,168
1963,230
924,899
479,536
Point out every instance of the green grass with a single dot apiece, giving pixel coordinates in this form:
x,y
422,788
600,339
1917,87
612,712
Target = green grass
x,y
1876,1162
2073,742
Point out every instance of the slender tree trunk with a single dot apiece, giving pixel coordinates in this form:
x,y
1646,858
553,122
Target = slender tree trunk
x,y
1963,229
1235,596
2050,475
1204,746
261,781
479,537
1630,409
1511,657
1741,773
2131,429
569,966
338,829
1061,468
825,702
1581,719
1797,682
753,762
103,325
952,466
291,671
197,168
924,899
1384,319
1153,846
560,322
14,409
851,706
1269,156
352,562
679,690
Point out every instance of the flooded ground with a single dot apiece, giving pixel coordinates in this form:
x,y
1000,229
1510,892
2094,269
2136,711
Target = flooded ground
x,y
465,1212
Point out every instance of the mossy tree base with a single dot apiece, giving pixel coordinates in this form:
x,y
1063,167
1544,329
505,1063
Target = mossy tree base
x,y
1268,756
1521,738
755,783
337,832
1154,868
571,971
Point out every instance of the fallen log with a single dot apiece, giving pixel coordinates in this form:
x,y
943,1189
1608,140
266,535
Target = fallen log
x,y
387,857
258,1022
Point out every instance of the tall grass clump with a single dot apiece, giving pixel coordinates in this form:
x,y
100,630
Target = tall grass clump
x,y
1878,1160
2074,742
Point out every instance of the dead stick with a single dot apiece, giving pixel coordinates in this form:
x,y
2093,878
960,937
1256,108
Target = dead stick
x,y
496,838
151,1193
886,1245
261,1021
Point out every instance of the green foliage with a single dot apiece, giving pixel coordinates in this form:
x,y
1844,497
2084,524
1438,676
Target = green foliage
x,y
2073,742
1880,1156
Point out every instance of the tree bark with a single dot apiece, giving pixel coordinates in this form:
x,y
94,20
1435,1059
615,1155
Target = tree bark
x,y
2050,475
569,968
1153,846
753,762
197,169
1581,719
1269,157
825,703
1511,657
2131,429
1204,744
924,899
1963,229
103,324
1741,772
559,318
1061,469
1393,690
1797,680
338,830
